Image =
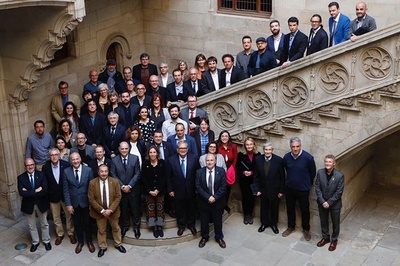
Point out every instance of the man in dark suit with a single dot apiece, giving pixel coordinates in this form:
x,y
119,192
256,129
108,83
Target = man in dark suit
x,y
32,187
181,187
144,70
269,178
100,159
193,86
92,124
261,60
104,198
141,98
181,136
75,187
54,171
175,90
294,43
127,111
211,78
329,187
339,25
126,169
114,134
85,151
275,41
155,88
362,24
230,74
318,38
191,112
211,188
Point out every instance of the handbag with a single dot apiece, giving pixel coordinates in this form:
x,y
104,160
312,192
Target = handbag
x,y
231,175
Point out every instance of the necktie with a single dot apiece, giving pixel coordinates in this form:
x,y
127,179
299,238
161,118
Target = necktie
x,y
32,181
194,87
77,176
104,196
92,119
112,133
311,37
333,33
125,164
161,151
210,185
191,114
183,168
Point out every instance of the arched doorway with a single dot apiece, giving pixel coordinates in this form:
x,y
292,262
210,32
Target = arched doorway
x,y
115,51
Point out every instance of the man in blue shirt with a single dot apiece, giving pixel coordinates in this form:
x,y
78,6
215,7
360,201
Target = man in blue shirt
x,y
38,145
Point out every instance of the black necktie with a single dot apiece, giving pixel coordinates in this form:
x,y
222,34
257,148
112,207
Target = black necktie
x,y
104,196
77,176
112,133
183,168
210,185
32,181
125,164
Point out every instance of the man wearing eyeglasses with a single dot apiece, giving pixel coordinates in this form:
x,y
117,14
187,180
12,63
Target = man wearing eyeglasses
x,y
318,38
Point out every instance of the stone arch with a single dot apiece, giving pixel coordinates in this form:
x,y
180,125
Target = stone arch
x,y
123,49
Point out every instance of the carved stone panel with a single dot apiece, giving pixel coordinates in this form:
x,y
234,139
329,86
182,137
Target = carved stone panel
x,y
333,78
294,92
376,63
258,104
224,115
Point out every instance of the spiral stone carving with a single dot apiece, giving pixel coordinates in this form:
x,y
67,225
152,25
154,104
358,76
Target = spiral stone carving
x,y
294,92
258,104
376,63
225,115
334,78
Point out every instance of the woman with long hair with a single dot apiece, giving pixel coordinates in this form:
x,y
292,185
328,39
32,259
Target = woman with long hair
x,y
113,99
229,151
137,146
154,183
65,130
146,125
200,62
245,167
184,70
70,113
62,147
158,112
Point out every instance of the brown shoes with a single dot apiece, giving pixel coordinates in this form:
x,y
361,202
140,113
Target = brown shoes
x,y
287,232
202,242
221,243
323,242
332,246
78,248
72,239
91,247
193,230
59,239
180,231
307,235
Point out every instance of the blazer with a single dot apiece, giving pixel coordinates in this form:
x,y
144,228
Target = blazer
x,y
93,132
267,62
272,183
166,146
146,102
103,77
154,177
187,85
208,83
89,150
220,161
55,190
136,70
236,75
368,24
96,201
171,93
29,196
111,146
95,168
176,182
330,192
169,80
129,176
57,106
271,45
319,42
192,149
220,187
244,164
120,110
77,194
185,114
342,29
297,49
196,135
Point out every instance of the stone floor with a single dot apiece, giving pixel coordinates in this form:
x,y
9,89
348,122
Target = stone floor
x,y
370,235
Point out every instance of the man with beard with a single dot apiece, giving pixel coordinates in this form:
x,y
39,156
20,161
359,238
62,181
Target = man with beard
x,y
212,77
85,151
242,58
230,74
92,124
38,145
261,60
318,38
168,127
156,88
144,70
275,41
127,111
175,90
121,84
110,75
363,23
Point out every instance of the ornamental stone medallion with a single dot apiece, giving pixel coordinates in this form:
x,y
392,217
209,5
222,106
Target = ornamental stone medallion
x,y
376,63
258,104
334,78
224,115
294,92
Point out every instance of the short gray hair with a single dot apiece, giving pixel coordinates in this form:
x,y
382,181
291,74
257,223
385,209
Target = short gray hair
x,y
268,144
294,139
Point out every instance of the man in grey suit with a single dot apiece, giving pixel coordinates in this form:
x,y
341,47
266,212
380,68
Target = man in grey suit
x,y
86,152
362,24
329,187
126,169
191,112
75,187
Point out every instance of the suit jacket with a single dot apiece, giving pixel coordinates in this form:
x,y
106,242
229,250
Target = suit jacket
x,y
196,135
146,102
136,70
267,62
330,192
319,42
57,106
103,77
192,149
154,177
171,93
176,182
342,29
167,149
220,188
129,176
89,150
271,46
55,190
368,24
111,146
120,110
208,83
29,197
297,49
169,80
236,75
161,90
96,201
187,85
93,132
272,183
77,194
185,114
95,168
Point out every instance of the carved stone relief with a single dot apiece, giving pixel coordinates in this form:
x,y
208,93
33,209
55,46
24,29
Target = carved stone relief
x,y
294,92
376,63
258,104
225,116
334,78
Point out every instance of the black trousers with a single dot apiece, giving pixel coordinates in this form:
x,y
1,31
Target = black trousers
x,y
247,195
130,205
185,212
292,196
324,217
82,225
211,213
269,210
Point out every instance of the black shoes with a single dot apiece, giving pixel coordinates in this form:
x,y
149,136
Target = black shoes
x,y
275,229
160,231
137,232
34,247
123,231
121,249
248,219
101,252
47,246
262,228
